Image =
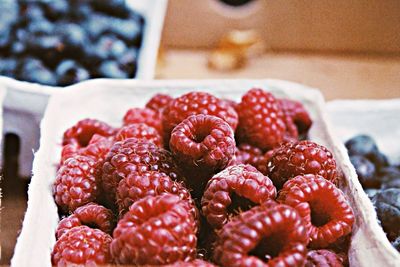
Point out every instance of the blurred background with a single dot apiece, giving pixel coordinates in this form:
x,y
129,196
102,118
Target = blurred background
x,y
347,49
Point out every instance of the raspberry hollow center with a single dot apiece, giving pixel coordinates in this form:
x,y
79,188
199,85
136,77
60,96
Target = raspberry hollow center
x,y
319,214
239,204
268,248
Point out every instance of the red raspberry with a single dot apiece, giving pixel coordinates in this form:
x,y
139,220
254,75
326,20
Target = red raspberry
x,y
81,133
248,154
236,186
139,131
298,113
132,155
202,143
76,183
144,115
323,258
152,183
322,206
194,263
261,120
158,102
92,215
268,235
156,230
68,151
82,246
303,157
196,103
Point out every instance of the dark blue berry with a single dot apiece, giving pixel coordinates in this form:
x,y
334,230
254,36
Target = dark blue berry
x,y
115,8
387,205
55,10
111,69
69,72
8,67
32,70
362,145
390,177
396,243
371,192
365,172
128,61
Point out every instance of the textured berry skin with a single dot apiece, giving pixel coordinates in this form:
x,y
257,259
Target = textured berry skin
x,y
194,263
299,115
268,235
156,230
152,183
132,155
248,154
158,102
92,215
303,157
366,172
140,131
144,115
82,246
322,206
243,180
203,143
387,206
76,183
261,120
196,103
323,258
82,132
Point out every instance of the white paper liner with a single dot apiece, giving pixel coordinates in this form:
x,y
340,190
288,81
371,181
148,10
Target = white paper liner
x,y
108,100
25,102
381,120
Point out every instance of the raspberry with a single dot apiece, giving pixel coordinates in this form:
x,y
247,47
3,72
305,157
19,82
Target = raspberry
x,y
299,115
236,186
323,258
248,154
158,102
156,230
68,151
303,157
261,120
268,235
76,183
81,133
152,183
194,263
144,115
203,144
132,155
82,246
92,215
322,206
196,103
139,131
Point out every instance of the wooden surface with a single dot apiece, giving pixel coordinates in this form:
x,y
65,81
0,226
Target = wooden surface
x,y
323,25
337,76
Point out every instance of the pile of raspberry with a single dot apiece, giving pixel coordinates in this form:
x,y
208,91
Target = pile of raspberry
x,y
200,181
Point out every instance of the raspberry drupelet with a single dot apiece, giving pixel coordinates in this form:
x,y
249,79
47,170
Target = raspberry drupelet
x,y
156,231
144,115
195,103
151,183
204,145
194,263
139,131
233,189
323,258
92,215
267,235
303,157
299,115
261,120
77,183
322,206
158,102
82,132
82,246
132,155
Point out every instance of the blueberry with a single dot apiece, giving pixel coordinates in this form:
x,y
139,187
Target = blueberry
x,y
73,37
379,159
129,30
50,48
40,27
387,205
390,177
396,243
96,25
395,183
5,36
365,171
115,8
128,61
110,47
371,192
111,69
56,9
69,72
8,67
30,11
33,70
362,145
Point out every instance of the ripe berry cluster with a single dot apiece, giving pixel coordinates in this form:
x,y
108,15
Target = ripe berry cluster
x,y
381,182
197,181
67,41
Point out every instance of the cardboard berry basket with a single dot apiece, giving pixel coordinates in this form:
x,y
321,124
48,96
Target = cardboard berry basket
x,y
108,100
377,118
25,102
